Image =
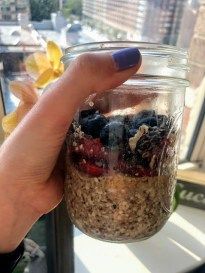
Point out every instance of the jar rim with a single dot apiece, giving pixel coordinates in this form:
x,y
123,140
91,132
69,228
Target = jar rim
x,y
157,59
112,45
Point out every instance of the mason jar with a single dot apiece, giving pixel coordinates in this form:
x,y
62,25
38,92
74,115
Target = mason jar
x,y
122,147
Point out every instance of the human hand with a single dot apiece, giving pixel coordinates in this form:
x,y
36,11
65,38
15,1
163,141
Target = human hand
x,y
31,181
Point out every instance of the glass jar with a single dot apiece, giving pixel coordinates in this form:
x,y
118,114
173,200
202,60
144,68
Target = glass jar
x,y
122,147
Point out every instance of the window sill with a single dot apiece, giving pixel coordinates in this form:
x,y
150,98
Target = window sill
x,y
178,247
192,174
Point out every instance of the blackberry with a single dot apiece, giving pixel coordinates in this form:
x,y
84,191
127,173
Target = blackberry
x,y
164,122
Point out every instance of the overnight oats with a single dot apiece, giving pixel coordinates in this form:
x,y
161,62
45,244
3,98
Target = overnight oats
x,y
122,158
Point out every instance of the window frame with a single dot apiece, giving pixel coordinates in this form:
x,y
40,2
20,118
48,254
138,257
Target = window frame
x,y
60,241
59,229
2,113
196,151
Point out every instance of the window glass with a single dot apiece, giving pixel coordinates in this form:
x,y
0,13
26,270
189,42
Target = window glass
x,y
34,259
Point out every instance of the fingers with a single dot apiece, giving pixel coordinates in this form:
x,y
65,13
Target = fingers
x,y
38,138
100,72
89,73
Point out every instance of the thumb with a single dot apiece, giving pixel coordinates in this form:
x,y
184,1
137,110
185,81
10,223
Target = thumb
x,y
89,73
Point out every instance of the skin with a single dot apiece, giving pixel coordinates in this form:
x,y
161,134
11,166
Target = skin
x,y
31,178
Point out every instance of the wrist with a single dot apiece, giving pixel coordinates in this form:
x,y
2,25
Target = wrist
x,y
16,219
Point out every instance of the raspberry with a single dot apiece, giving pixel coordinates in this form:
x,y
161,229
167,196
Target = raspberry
x,y
91,148
91,169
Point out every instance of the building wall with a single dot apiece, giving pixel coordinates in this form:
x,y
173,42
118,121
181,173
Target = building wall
x,y
9,9
188,23
197,49
118,14
148,20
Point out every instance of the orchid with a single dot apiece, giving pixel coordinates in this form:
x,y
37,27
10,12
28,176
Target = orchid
x,y
45,67
28,96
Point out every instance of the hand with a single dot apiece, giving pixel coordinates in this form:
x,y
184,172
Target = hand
x,y
31,182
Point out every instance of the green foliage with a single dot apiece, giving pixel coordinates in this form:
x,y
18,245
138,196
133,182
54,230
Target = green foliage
x,y
20,267
38,232
176,198
41,9
73,7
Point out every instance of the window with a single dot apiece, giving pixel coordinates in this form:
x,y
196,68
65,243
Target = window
x,y
6,17
174,22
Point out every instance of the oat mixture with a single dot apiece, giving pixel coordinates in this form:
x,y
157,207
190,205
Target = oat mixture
x,y
121,174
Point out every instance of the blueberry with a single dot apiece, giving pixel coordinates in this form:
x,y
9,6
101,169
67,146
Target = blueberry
x,y
86,113
137,122
130,132
161,121
112,134
134,123
146,114
143,116
93,124
117,118
152,121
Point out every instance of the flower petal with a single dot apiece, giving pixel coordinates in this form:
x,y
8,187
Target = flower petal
x,y
36,64
44,78
54,54
23,109
25,91
60,70
9,122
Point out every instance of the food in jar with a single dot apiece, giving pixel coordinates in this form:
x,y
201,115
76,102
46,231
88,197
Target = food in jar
x,y
121,173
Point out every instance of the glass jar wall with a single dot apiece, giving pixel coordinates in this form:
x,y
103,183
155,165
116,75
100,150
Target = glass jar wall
x,y
122,148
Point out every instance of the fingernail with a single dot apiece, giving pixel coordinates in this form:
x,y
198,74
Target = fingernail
x,y
126,58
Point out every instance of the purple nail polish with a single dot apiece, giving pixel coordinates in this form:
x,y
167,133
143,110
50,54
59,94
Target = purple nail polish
x,y
126,58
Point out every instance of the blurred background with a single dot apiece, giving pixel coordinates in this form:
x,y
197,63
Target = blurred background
x,y
53,245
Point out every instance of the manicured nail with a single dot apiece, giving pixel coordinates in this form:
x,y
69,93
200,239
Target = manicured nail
x,y
126,58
